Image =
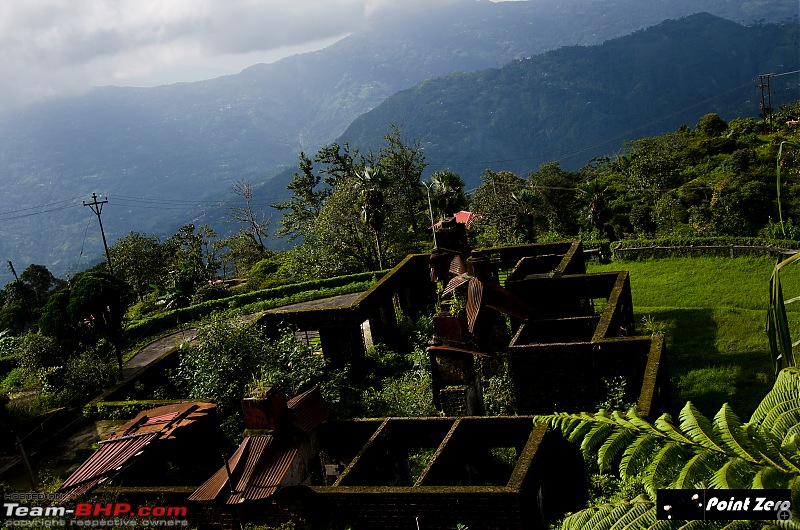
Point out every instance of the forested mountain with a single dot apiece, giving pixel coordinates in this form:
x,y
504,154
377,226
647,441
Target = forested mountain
x,y
168,155
575,103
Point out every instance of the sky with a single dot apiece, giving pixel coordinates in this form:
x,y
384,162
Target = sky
x,y
64,47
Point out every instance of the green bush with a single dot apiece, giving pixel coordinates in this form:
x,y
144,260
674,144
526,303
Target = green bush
x,y
207,292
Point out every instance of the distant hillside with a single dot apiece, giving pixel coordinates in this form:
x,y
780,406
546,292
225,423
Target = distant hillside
x,y
167,156
578,102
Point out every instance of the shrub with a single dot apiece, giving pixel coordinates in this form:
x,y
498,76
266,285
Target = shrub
x,y
208,292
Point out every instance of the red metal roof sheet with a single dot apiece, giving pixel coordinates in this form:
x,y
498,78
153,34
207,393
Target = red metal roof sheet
x,y
257,468
309,410
112,455
147,426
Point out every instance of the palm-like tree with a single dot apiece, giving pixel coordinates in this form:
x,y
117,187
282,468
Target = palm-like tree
x,y
593,193
528,205
448,189
370,182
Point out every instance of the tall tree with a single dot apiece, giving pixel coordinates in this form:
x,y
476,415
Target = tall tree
x,y
493,201
402,164
256,224
448,193
370,183
142,261
302,209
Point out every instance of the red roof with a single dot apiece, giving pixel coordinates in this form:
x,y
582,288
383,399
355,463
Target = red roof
x,y
260,464
129,442
257,468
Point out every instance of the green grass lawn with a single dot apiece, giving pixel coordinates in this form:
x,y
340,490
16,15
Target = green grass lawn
x,y
713,313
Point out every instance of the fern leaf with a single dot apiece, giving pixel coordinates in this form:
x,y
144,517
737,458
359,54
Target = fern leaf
x,y
639,514
733,434
770,478
793,431
770,452
664,424
735,474
637,455
743,525
579,520
699,468
790,448
613,446
699,429
785,421
595,438
660,471
627,515
785,389
641,424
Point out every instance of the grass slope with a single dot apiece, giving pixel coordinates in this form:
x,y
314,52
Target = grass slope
x,y
713,313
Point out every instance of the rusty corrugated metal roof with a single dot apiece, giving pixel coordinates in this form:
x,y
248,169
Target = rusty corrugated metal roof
x,y
128,442
111,456
308,409
260,464
258,468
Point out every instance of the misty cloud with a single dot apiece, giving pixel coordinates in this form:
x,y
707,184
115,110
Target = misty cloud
x,y
60,47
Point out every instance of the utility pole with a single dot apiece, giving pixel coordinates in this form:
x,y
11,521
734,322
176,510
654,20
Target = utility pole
x,y
97,207
11,266
766,103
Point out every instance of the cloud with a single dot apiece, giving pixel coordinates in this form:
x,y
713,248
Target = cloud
x,y
52,47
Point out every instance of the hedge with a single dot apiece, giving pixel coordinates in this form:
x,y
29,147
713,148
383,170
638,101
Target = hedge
x,y
169,319
677,246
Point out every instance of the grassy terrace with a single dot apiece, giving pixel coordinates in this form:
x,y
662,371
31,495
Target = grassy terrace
x,y
713,313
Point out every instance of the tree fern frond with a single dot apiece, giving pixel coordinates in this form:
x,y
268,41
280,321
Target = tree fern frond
x,y
664,424
790,448
661,470
699,468
793,431
595,437
699,428
735,474
784,421
638,454
578,520
732,433
785,389
641,424
769,448
614,446
742,525
770,478
638,515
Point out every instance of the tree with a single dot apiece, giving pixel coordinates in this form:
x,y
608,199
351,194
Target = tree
x,y
23,299
257,226
711,125
303,208
370,183
493,201
718,453
402,164
97,305
528,214
242,251
556,188
142,261
232,355
448,193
